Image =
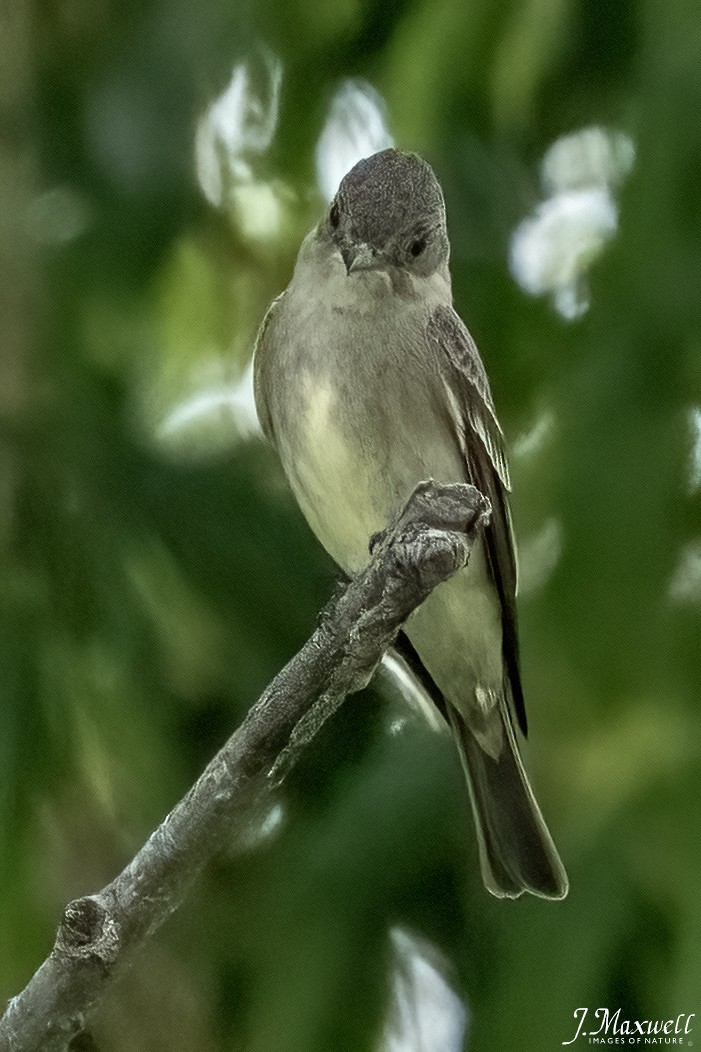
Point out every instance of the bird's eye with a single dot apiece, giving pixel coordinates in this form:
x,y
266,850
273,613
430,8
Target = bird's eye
x,y
334,216
417,247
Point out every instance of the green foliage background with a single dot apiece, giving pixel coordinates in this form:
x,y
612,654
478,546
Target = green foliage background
x,y
148,594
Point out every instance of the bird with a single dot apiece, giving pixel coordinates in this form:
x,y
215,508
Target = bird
x,y
367,382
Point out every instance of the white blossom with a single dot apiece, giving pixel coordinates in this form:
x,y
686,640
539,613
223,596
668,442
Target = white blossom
x,y
425,1014
237,127
356,127
553,248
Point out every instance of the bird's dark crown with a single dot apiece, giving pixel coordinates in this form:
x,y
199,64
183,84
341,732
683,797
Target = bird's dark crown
x,y
388,193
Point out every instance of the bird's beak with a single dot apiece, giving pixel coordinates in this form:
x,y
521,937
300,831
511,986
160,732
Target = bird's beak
x,y
360,257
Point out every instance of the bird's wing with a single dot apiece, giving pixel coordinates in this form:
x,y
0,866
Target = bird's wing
x,y
471,406
259,371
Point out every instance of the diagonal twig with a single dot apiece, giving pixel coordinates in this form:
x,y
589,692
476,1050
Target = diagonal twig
x,y
99,934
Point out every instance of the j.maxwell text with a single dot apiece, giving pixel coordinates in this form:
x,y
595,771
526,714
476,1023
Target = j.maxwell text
x,y
608,1022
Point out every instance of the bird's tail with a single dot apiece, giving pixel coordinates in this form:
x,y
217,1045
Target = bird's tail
x,y
516,850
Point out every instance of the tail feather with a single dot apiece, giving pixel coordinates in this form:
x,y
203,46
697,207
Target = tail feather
x,y
516,850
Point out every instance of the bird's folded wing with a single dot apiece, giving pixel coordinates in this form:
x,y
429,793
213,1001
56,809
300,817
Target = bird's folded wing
x,y
470,404
260,352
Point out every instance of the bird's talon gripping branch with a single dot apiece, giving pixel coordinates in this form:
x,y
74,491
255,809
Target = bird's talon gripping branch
x,y
376,540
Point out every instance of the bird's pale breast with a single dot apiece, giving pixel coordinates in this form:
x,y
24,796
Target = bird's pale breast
x,y
360,400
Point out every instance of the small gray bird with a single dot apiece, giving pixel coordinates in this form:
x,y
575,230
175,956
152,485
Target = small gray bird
x,y
367,382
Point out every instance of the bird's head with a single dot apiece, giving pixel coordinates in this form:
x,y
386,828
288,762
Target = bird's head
x,y
389,212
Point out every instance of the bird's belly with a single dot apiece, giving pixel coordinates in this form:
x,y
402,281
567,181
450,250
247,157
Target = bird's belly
x,y
334,484
457,632
365,420
359,452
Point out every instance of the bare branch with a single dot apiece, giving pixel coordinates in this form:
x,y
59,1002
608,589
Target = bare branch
x,y
100,934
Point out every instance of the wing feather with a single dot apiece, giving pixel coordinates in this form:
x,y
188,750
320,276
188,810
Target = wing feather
x,y
259,371
470,402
